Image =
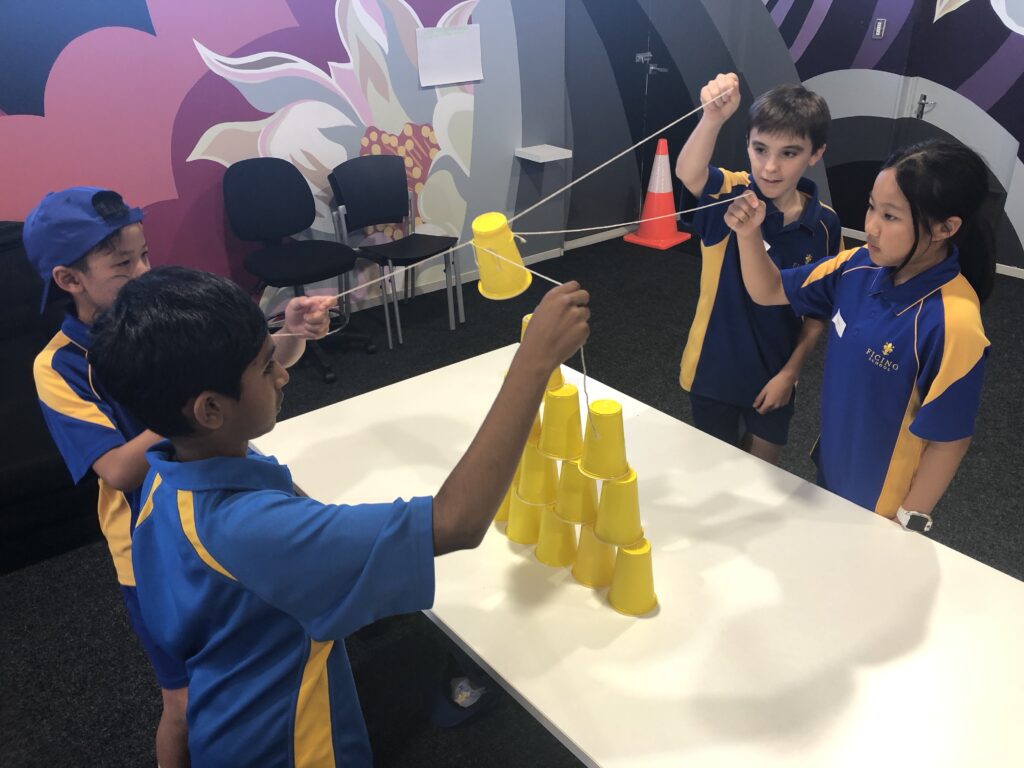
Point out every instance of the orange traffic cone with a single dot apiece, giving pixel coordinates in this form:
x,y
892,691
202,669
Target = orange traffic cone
x,y
662,232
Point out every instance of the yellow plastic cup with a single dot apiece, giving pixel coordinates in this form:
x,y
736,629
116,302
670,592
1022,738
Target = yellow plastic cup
x,y
618,513
561,436
523,520
577,495
604,446
538,481
556,379
595,560
556,543
632,590
499,279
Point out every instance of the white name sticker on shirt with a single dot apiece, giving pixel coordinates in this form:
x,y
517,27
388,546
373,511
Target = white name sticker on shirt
x,y
839,323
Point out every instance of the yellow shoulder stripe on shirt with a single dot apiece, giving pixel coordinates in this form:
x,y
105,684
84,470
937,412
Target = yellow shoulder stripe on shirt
x,y
732,179
57,394
828,266
964,340
147,508
187,513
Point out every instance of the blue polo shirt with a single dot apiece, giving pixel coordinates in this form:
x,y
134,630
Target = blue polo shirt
x,y
254,588
904,365
85,423
735,345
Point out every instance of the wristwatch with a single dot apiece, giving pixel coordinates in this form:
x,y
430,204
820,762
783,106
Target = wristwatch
x,y
914,521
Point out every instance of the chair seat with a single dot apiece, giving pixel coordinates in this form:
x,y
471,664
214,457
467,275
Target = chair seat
x,y
300,263
409,250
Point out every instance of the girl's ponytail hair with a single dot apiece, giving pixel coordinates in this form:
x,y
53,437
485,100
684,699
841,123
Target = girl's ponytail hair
x,y
940,179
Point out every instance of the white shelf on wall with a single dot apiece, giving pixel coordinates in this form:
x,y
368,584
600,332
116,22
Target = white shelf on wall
x,y
543,153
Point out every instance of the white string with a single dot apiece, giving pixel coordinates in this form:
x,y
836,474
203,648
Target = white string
x,y
626,151
583,359
522,235
516,264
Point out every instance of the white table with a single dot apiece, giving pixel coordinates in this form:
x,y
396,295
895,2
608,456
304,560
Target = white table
x,y
794,628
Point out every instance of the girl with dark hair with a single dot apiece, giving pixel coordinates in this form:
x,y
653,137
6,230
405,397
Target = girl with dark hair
x,y
906,350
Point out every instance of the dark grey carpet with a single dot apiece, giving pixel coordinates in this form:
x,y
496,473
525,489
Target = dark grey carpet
x,y
75,688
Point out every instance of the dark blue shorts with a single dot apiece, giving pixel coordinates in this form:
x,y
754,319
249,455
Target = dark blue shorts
x,y
170,673
730,422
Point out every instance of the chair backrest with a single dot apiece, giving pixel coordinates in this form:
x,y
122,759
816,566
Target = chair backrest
x,y
372,188
266,199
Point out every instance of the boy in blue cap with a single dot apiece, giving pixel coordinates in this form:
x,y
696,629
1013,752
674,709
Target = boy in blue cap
x,y
253,587
86,244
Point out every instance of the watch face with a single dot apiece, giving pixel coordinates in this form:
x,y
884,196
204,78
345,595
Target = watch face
x,y
917,523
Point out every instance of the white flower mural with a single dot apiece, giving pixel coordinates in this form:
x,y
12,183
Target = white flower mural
x,y
370,105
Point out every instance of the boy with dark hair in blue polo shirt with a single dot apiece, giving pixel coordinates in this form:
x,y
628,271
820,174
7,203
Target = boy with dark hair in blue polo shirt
x,y
85,244
742,361
251,586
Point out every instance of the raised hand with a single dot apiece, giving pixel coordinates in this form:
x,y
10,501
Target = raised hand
x,y
746,214
721,109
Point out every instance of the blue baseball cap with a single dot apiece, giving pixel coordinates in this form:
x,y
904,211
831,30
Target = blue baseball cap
x,y
65,226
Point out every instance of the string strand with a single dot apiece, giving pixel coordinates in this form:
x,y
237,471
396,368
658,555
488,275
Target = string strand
x,y
626,151
523,235
583,359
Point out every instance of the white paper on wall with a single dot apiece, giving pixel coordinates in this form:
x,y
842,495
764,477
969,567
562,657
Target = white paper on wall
x,y
449,54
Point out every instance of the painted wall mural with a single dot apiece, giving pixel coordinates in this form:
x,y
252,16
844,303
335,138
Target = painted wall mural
x,y
155,99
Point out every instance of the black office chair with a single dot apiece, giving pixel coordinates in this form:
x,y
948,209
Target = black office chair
x,y
267,200
373,190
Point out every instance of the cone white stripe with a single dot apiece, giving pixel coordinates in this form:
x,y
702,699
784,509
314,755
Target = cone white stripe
x,y
661,176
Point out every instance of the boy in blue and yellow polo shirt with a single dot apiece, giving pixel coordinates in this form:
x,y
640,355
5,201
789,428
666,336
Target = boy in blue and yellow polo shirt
x,y
85,244
251,586
742,361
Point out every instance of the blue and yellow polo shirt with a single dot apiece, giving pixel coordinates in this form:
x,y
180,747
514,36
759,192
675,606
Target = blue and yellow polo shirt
x,y
904,365
255,588
735,345
86,423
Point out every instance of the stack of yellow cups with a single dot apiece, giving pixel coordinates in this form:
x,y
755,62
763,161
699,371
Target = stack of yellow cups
x,y
543,506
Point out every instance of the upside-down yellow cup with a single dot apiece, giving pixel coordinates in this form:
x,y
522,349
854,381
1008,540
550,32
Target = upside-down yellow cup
x,y
524,520
556,542
595,560
560,435
556,379
577,495
500,278
538,479
618,512
604,446
632,590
